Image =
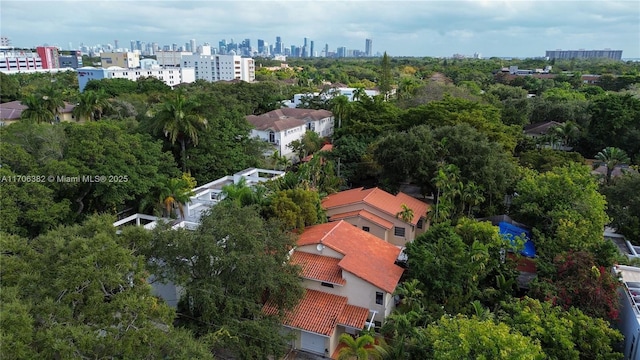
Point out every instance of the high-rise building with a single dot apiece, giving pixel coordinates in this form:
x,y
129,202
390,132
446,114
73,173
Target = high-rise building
x,y
115,44
49,57
279,48
368,47
326,50
584,54
192,45
305,48
133,45
342,52
260,46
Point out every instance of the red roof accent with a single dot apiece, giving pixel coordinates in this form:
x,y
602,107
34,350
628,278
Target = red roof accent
x,y
317,267
378,199
326,147
353,316
364,255
320,312
364,214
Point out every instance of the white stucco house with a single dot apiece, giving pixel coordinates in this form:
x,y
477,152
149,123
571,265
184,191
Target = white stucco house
x,y
282,126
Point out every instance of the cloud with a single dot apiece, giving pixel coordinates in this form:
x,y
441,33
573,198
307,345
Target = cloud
x,y
419,27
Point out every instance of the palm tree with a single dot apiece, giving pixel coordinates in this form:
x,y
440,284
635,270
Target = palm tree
x,y
411,295
52,100
406,214
567,132
174,194
612,157
359,93
340,107
178,119
362,348
91,105
472,196
36,110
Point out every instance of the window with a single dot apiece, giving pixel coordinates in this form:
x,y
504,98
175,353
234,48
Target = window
x,y
366,228
272,137
420,223
379,297
326,284
398,231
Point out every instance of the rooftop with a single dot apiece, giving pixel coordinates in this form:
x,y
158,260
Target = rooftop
x,y
379,199
320,312
364,255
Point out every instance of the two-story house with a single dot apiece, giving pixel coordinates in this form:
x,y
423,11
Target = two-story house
x,y
350,276
282,126
380,213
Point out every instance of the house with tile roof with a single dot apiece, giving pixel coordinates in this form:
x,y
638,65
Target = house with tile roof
x,y
11,112
282,126
350,276
376,211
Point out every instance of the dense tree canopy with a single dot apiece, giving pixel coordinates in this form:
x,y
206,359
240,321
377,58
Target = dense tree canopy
x,y
228,273
81,292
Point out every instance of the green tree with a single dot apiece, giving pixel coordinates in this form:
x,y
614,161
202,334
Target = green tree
x,y
564,208
623,205
612,157
179,120
36,110
91,105
340,107
471,338
174,194
78,292
363,347
406,214
562,334
296,208
384,84
228,273
9,88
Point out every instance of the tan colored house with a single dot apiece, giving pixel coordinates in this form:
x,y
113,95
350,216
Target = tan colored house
x,y
350,276
11,112
376,211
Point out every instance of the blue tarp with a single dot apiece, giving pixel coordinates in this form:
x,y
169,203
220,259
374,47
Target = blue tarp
x,y
509,232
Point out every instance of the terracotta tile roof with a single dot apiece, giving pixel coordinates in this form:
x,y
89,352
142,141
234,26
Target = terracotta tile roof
x,y
277,124
320,312
353,316
326,147
378,199
318,267
364,214
364,255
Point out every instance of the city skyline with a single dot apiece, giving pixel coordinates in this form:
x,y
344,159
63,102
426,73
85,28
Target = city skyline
x,y
415,28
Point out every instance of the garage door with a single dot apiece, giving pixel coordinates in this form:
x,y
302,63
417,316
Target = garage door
x,y
312,342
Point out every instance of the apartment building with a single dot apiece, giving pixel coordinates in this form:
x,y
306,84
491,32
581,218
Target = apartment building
x,y
220,67
170,76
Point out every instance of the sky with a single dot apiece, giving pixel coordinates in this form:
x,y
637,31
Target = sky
x,y
515,28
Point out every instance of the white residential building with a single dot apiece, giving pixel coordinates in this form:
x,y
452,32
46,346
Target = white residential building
x,y
171,58
170,76
220,67
282,126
